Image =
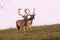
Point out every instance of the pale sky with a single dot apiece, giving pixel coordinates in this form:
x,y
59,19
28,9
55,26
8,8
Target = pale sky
x,y
47,11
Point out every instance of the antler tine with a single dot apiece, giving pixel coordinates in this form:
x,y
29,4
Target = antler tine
x,y
34,11
29,12
26,11
19,12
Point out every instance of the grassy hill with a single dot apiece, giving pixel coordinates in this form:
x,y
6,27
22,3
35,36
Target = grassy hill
x,y
45,32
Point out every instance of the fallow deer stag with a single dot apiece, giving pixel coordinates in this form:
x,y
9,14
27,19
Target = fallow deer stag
x,y
26,22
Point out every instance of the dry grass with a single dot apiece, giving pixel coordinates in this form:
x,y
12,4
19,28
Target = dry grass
x,y
45,32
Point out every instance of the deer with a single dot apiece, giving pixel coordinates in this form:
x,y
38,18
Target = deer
x,y
26,22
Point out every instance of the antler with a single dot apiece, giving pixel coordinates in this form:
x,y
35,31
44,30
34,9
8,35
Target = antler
x,y
26,11
19,12
34,11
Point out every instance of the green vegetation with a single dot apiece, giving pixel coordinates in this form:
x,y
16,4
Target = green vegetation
x,y
45,32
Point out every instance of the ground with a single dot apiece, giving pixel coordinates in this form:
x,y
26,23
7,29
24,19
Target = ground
x,y
45,32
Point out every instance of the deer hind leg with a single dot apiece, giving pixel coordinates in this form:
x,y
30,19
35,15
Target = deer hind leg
x,y
26,28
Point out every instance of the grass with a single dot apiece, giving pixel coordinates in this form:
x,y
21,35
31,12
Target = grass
x,y
45,32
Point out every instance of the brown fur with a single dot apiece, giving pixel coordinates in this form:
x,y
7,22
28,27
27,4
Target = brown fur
x,y
22,24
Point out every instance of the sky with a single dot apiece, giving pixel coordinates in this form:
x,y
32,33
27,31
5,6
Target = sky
x,y
47,12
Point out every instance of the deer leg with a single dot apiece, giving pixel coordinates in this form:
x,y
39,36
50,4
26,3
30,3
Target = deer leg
x,y
23,29
18,28
30,27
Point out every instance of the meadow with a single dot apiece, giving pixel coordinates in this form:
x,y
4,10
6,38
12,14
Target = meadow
x,y
44,32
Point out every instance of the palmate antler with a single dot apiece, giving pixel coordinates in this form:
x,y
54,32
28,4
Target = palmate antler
x,y
26,9
19,12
